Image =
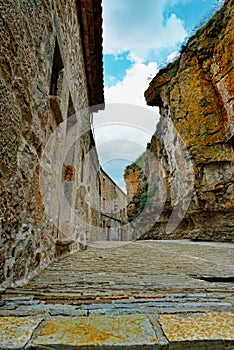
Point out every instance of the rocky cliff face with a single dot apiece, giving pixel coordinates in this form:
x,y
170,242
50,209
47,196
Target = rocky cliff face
x,y
192,148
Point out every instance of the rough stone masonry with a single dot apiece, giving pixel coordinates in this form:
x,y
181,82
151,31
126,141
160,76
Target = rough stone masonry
x,y
51,69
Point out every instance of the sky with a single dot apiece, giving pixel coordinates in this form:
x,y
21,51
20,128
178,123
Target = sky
x,y
139,38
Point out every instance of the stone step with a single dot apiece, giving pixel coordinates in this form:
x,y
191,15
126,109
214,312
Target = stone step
x,y
194,331
112,305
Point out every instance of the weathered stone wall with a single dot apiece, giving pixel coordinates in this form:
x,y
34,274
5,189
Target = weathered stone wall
x,y
135,178
132,183
114,210
193,144
39,40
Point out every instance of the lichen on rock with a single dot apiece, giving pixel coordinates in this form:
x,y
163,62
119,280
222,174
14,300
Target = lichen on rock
x,y
193,143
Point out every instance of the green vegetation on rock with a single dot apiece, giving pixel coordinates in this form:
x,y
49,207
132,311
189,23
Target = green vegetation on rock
x,y
138,164
208,24
174,67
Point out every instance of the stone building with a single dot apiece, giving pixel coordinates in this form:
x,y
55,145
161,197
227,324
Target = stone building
x,y
51,83
114,212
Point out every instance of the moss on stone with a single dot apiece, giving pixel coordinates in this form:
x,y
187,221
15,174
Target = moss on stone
x,y
174,67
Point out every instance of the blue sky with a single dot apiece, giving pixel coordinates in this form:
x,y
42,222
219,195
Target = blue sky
x,y
139,37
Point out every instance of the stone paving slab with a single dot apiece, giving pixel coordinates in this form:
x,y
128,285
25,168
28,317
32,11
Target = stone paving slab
x,y
15,332
213,326
103,332
204,331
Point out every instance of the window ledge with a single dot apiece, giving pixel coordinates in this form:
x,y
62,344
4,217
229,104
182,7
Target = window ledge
x,y
64,242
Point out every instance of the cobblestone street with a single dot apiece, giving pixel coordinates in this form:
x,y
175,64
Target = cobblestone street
x,y
141,295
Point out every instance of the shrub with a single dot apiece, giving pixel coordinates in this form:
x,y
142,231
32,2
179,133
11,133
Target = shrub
x,y
168,90
174,66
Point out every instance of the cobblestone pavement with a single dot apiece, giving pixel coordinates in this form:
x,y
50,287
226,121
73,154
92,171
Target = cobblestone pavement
x,y
141,295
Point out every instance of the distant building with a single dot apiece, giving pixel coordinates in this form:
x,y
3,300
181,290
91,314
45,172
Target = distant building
x,y
113,207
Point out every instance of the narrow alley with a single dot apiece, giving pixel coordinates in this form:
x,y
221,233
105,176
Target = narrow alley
x,y
116,175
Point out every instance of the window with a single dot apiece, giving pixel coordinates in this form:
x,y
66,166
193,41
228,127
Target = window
x,y
116,207
70,110
109,233
82,168
56,70
104,203
231,141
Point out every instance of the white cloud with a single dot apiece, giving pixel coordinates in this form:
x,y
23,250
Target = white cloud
x,y
121,133
139,26
123,129
131,88
172,56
